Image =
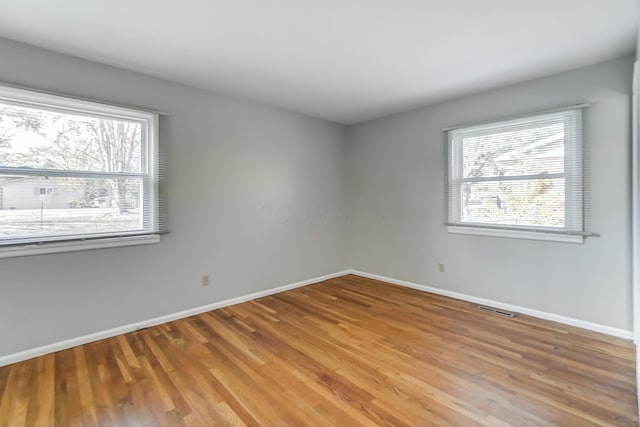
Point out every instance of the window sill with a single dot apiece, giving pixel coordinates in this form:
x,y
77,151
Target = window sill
x,y
79,245
516,234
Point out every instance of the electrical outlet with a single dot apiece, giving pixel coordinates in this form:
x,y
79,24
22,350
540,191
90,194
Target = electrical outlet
x,y
440,267
205,280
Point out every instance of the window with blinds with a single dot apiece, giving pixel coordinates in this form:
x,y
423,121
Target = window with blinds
x,y
518,178
73,170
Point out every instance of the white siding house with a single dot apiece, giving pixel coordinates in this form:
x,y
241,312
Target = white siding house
x,y
36,192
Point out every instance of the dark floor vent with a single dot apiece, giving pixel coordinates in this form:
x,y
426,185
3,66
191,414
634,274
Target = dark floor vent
x,y
495,311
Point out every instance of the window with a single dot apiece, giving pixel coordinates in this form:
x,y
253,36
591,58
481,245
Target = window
x,y
75,174
518,178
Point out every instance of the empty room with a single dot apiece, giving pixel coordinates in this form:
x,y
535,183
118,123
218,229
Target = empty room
x,y
330,213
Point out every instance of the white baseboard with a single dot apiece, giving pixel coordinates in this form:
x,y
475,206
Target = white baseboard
x,y
73,342
621,333
85,339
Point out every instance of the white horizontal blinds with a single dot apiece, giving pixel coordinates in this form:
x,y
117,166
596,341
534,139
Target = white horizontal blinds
x,y
574,171
151,154
161,223
524,173
75,170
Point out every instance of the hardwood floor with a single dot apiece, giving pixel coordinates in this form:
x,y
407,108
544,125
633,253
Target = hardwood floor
x,y
345,352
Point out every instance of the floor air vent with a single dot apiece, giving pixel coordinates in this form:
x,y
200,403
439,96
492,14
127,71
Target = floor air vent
x,y
495,311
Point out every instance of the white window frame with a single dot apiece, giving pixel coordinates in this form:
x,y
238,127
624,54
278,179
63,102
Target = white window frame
x,y
572,232
149,175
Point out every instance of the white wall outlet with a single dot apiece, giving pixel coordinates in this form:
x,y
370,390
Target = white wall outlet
x,y
205,280
441,267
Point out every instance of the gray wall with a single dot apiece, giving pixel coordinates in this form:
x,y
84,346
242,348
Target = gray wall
x,y
396,180
252,194
259,197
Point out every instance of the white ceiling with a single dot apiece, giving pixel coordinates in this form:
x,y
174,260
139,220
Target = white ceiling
x,y
342,60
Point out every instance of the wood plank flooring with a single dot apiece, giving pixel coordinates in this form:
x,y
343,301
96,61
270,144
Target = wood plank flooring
x,y
345,352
